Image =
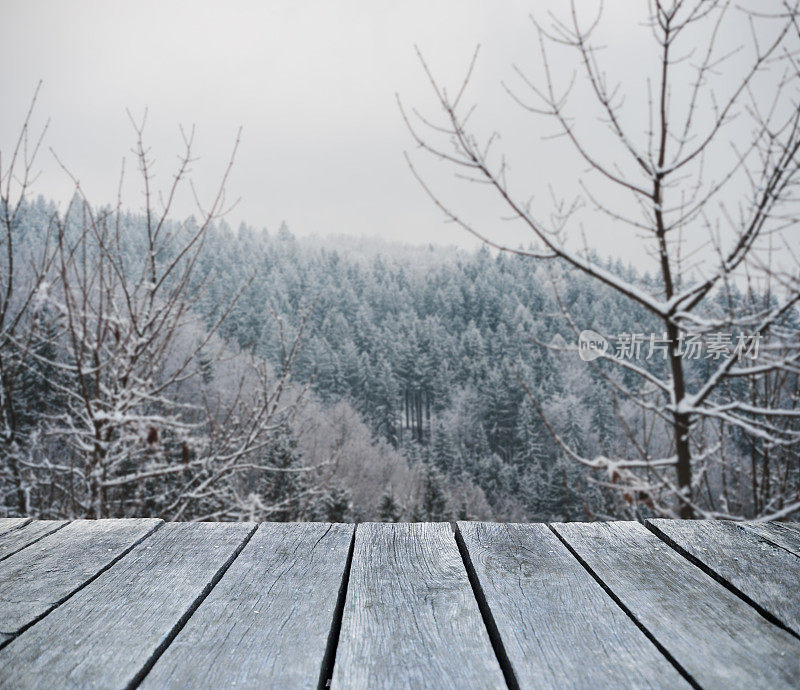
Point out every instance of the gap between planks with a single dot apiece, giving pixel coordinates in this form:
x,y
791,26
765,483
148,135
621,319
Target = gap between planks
x,y
329,658
27,535
693,616
486,612
10,524
11,637
669,657
181,623
709,570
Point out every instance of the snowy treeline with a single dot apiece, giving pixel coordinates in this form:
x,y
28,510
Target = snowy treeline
x,y
150,366
435,349
116,405
418,362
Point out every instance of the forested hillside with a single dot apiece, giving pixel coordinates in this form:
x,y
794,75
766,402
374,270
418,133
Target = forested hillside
x,y
420,341
340,380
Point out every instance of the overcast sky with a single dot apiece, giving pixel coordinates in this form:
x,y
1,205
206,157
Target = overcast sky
x,y
312,84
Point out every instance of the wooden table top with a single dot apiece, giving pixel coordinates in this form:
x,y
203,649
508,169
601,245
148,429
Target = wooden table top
x,y
142,603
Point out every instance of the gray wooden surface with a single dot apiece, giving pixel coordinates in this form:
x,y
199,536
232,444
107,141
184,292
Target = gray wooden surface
x,y
410,618
8,524
784,535
142,604
766,574
266,623
559,628
38,578
26,535
117,623
721,641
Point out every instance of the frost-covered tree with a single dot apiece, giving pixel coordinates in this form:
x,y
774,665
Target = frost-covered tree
x,y
388,510
24,269
432,505
704,175
125,409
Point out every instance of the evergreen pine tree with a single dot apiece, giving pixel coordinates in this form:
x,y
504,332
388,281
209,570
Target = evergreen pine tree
x,y
280,487
388,510
336,505
443,451
433,503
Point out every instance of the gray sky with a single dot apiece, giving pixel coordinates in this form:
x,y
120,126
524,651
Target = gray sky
x,y
313,86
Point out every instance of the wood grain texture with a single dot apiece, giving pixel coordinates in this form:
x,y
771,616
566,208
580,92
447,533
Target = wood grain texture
x,y
763,572
785,535
18,539
109,630
559,628
720,640
38,578
8,524
410,618
266,623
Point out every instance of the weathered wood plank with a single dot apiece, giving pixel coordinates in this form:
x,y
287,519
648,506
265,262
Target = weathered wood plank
x,y
266,623
38,578
8,524
782,534
763,572
720,640
410,618
558,627
18,539
104,635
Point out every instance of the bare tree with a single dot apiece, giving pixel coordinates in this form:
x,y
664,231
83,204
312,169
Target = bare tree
x,y
678,177
21,274
149,411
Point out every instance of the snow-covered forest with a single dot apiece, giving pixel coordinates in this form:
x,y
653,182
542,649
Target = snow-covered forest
x,y
406,396
445,355
154,364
